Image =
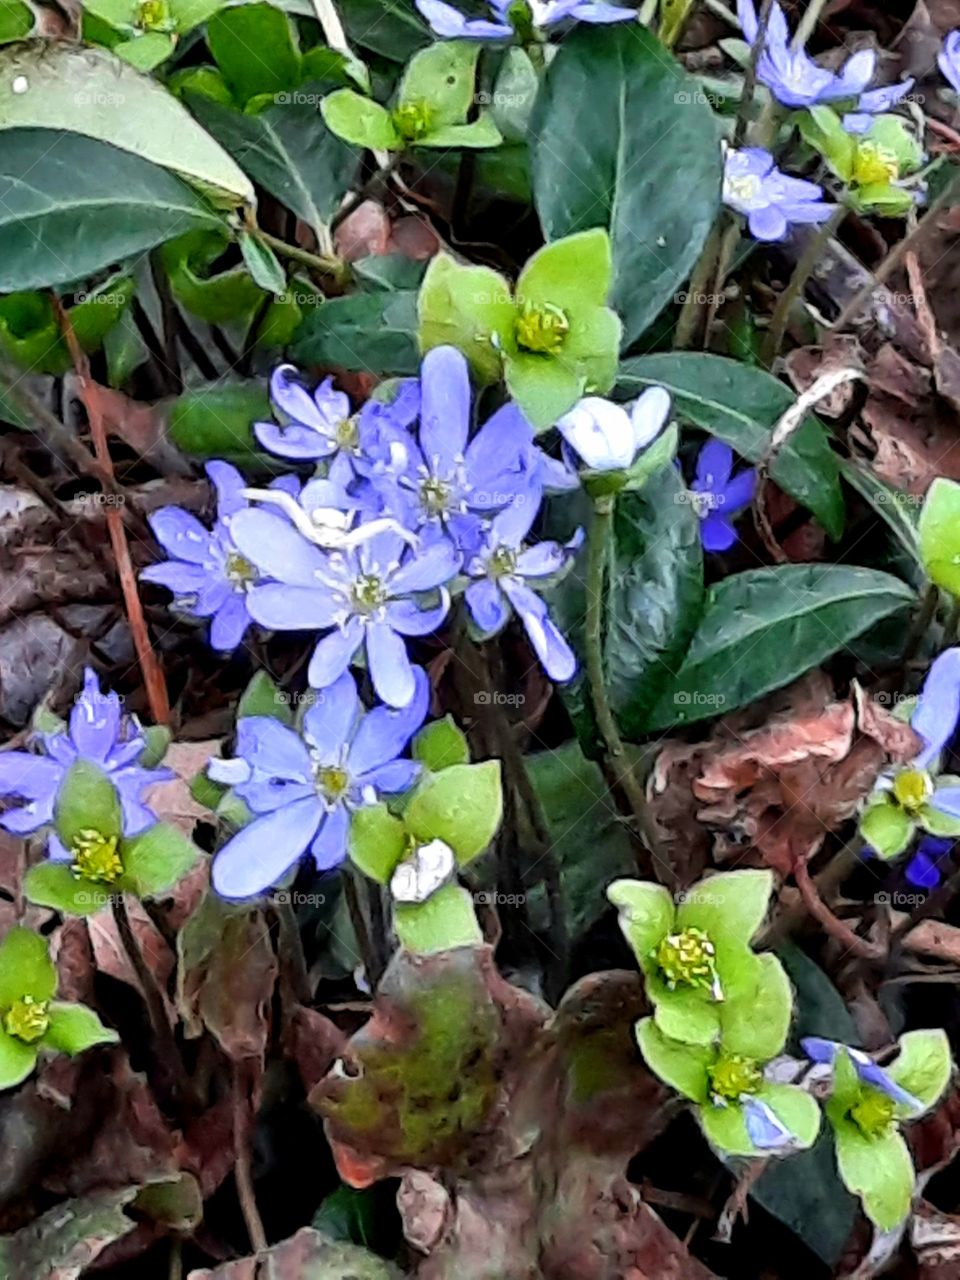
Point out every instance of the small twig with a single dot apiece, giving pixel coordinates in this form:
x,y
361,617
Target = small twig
x,y
242,1175
833,925
728,244
358,920
153,678
921,622
808,23
175,1271
750,79
790,422
326,264
736,1206
921,306
291,949
686,331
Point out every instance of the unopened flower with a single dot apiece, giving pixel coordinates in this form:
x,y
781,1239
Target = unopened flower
x,y
918,796
607,436
718,495
98,733
771,201
523,18
303,787
208,575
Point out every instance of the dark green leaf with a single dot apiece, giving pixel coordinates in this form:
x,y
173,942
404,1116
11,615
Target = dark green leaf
x,y
763,628
16,20
391,28
253,45
263,697
262,264
806,1194
613,119
368,332
821,1010
217,422
287,149
741,405
70,206
654,595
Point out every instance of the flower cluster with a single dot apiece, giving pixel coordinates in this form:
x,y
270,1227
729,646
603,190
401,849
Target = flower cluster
x,y
369,553
771,201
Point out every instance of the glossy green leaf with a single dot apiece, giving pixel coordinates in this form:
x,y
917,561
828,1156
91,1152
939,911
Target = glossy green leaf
x,y
262,263
740,405
16,20
364,331
806,1194
391,28
17,1060
615,113
762,628
25,967
155,860
30,332
87,801
146,50
442,78
287,149
360,121
255,47
88,91
446,920
462,806
217,296
114,206
217,421
53,884
923,1066
74,1028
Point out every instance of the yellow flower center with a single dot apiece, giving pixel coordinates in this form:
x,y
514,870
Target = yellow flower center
x,y
26,1019
874,164
95,857
689,959
412,120
347,434
745,188
732,1077
435,496
503,561
239,570
912,788
873,1114
542,329
332,782
154,15
368,593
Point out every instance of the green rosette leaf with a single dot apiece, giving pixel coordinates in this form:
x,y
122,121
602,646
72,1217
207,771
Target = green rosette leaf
x,y
682,1066
25,967
74,1028
446,920
878,1170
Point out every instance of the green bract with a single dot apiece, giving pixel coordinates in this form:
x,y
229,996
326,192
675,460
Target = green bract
x,y
554,339
30,1019
890,819
872,1156
435,95
871,164
939,530
105,862
723,1083
450,818
705,983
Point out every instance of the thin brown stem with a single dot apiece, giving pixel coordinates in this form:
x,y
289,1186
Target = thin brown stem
x,y
242,1174
795,287
833,925
293,960
368,955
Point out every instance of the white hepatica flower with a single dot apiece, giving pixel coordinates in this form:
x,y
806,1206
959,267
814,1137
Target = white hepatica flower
x,y
609,436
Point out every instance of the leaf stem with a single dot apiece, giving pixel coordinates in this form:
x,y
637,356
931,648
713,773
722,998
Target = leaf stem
x,y
598,537
326,264
686,331
242,1176
801,274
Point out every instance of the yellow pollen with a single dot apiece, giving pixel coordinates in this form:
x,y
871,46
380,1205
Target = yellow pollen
x,y
542,329
874,164
368,593
689,959
873,1114
26,1019
412,120
333,782
912,788
347,434
503,561
239,570
733,1076
95,857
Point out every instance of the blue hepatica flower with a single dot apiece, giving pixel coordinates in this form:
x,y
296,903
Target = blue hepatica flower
x,y
795,80
771,201
518,17
302,787
608,437
501,568
873,103
97,732
442,483
825,1051
718,495
917,795
949,59
365,594
923,870
207,574
321,426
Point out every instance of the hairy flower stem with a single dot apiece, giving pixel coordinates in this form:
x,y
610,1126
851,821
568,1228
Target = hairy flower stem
x,y
242,1176
921,622
368,956
598,538
291,950
808,22
173,1074
686,331
794,290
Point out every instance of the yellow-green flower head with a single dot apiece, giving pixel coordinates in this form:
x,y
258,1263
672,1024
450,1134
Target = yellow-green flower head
x,y
27,1019
413,120
689,959
873,1113
732,1076
541,329
96,857
912,788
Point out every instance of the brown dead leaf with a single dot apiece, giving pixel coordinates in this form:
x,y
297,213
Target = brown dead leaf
x,y
312,1042
144,428
806,364
935,1239
171,801
934,940
111,957
306,1256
